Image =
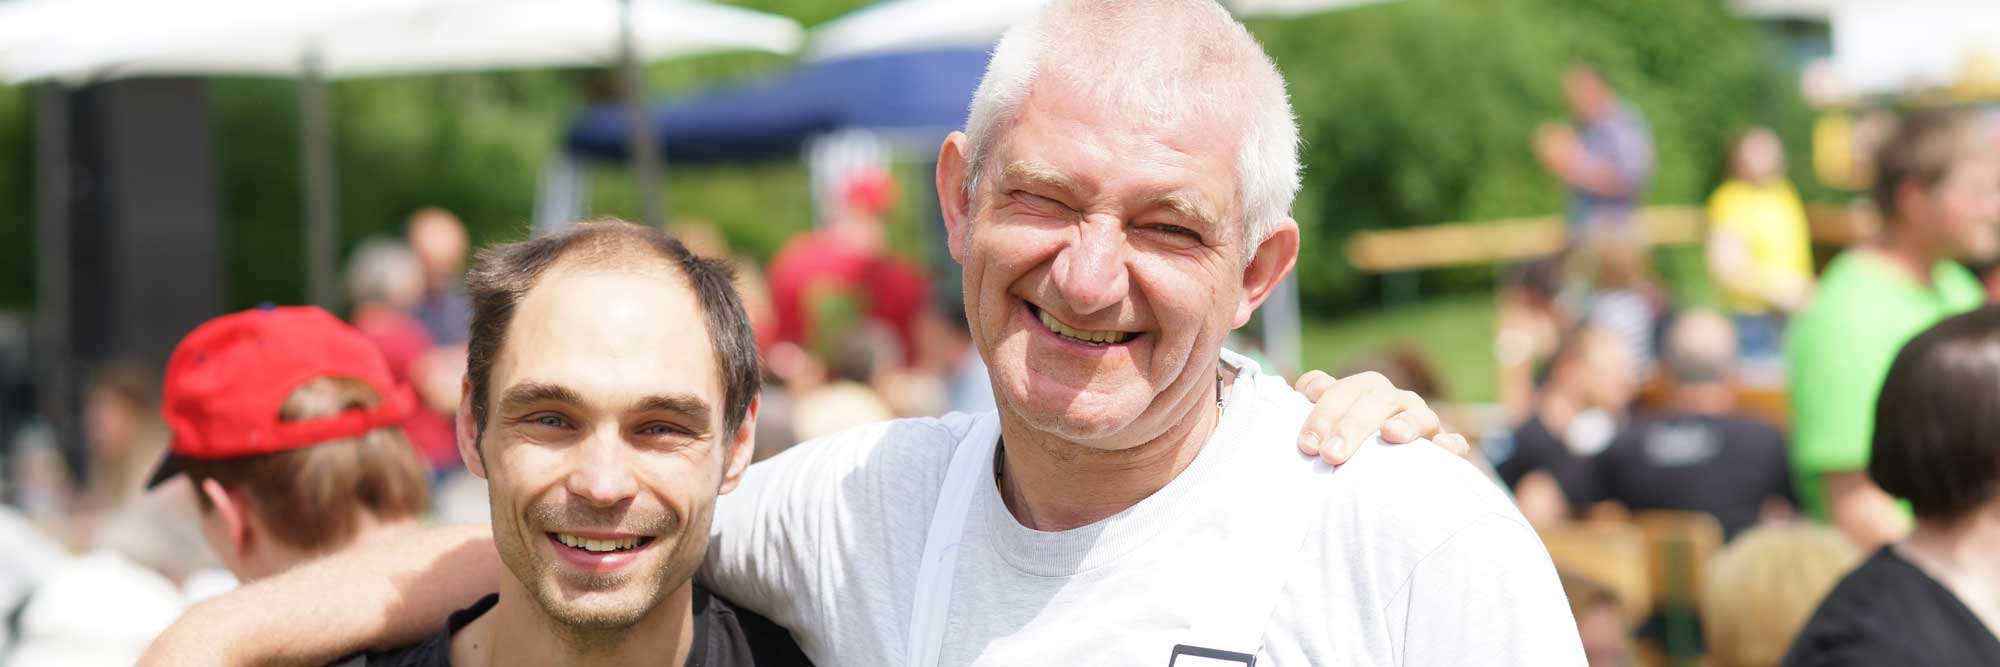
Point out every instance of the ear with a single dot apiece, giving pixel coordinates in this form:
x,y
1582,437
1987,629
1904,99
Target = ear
x,y
742,446
953,200
1274,260
235,515
467,430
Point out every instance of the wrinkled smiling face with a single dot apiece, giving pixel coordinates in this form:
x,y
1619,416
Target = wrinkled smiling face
x,y
603,447
1104,263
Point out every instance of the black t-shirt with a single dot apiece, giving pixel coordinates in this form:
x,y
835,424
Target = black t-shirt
x,y
1722,466
1888,612
1534,448
724,636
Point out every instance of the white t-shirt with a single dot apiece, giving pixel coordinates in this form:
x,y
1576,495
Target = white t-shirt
x,y
1410,556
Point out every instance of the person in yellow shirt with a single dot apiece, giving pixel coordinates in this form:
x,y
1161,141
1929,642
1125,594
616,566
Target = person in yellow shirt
x,y
1759,250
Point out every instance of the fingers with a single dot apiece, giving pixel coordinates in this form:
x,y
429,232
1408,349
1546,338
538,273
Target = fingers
x,y
1416,420
1314,385
1332,401
1454,443
1363,419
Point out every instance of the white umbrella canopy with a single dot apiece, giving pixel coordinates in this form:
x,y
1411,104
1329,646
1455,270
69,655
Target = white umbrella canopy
x,y
89,40
361,38
1291,8
904,25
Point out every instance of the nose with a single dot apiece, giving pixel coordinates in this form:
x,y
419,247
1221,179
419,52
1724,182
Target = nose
x,y
1090,272
602,475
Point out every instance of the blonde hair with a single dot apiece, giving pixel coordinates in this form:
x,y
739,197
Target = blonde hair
x,y
1760,590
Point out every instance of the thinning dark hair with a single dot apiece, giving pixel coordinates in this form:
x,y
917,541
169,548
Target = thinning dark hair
x,y
503,274
1937,423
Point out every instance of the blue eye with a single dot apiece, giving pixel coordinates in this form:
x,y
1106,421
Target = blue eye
x,y
551,421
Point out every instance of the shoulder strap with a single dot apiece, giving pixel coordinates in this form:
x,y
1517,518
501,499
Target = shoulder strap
x,y
1274,541
940,562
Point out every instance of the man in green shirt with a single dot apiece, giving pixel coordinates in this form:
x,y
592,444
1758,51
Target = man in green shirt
x,y
1937,185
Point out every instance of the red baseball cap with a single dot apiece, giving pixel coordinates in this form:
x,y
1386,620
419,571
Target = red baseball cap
x,y
228,378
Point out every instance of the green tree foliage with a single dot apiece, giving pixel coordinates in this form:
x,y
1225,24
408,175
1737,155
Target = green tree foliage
x,y
1422,111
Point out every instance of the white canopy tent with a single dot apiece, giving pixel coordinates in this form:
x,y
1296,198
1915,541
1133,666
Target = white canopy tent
x,y
904,25
1887,47
74,41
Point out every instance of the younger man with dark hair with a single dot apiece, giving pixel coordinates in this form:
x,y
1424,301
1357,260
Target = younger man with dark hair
x,y
287,423
605,436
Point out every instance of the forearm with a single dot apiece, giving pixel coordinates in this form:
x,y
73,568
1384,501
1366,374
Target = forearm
x,y
375,597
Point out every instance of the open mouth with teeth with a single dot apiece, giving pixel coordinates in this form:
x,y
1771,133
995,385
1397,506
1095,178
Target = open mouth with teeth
x,y
1084,336
596,546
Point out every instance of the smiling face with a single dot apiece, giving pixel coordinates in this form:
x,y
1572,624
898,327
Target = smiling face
x,y
1964,209
603,445
1105,261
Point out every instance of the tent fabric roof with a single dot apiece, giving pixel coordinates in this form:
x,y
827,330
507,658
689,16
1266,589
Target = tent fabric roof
x,y
915,95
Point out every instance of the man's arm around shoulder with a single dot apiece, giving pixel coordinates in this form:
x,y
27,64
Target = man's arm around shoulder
x,y
376,597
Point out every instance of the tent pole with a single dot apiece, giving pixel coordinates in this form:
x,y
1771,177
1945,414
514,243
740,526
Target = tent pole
x,y
645,152
317,172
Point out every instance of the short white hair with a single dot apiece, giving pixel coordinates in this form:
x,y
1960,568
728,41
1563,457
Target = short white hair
x,y
1161,59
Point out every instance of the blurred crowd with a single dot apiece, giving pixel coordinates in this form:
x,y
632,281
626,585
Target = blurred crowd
x,y
1704,477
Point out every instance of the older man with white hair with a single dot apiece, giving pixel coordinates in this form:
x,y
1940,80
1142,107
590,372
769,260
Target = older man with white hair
x,y
1119,201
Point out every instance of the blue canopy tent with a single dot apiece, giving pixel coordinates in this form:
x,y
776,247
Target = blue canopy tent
x,y
913,98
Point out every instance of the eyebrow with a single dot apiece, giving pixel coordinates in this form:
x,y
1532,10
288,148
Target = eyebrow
x,y
1035,173
686,405
539,392
1187,207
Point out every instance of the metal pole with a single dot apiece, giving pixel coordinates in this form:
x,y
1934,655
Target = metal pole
x,y
645,151
321,239
56,364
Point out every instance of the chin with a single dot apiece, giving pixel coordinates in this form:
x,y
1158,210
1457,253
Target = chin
x,y
1087,423
598,609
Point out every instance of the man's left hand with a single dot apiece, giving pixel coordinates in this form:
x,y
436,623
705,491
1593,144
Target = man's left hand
x,y
1347,410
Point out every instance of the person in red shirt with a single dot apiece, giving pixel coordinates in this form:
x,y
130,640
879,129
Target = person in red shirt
x,y
848,258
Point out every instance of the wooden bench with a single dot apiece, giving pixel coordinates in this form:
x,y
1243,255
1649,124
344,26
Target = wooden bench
x,y
1518,239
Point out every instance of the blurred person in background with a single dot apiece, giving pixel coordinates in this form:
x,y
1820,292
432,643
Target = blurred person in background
x,y
286,424
1758,591
386,284
1932,598
1600,621
849,258
1530,322
1937,184
1694,454
439,239
1604,158
121,423
848,397
1759,247
1587,388
1619,293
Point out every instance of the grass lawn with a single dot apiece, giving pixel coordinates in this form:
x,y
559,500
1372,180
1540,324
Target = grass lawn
x,y
1455,334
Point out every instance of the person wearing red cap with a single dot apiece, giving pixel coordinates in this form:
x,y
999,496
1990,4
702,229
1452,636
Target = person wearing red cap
x,y
287,423
848,257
